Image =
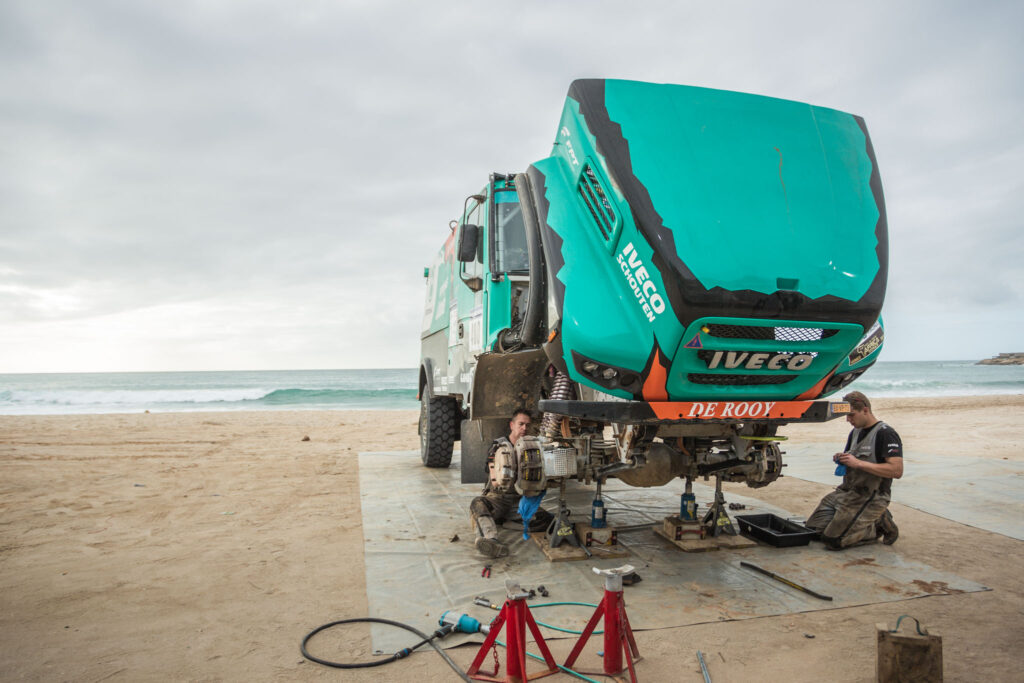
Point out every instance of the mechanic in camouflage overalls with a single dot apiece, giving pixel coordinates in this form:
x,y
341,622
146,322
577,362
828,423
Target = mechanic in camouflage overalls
x,y
857,512
499,503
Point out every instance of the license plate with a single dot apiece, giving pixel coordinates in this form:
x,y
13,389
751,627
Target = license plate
x,y
838,408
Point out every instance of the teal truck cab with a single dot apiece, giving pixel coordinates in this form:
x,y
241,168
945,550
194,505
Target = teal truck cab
x,y
689,270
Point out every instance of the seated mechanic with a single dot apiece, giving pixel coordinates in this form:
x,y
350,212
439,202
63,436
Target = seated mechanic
x,y
857,512
499,501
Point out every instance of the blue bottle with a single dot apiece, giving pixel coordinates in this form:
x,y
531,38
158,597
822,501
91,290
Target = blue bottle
x,y
597,520
688,507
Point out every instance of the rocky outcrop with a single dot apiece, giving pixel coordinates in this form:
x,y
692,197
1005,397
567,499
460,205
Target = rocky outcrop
x,y
1004,359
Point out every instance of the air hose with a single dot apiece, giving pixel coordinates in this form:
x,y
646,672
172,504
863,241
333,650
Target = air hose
x,y
559,628
401,654
566,669
429,640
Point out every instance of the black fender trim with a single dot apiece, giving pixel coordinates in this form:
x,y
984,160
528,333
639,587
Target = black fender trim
x,y
426,379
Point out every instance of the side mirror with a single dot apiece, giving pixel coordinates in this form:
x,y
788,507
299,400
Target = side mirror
x,y
468,239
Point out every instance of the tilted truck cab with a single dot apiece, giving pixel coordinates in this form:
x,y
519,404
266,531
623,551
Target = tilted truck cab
x,y
689,270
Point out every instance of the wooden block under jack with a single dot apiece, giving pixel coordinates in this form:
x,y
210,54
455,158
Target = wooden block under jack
x,y
687,536
602,536
908,656
570,553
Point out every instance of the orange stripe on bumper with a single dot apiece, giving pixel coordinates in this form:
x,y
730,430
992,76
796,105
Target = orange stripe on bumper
x,y
719,410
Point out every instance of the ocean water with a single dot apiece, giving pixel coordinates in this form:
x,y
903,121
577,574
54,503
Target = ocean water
x,y
132,392
938,378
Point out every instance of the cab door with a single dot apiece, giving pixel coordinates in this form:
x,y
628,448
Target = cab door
x,y
509,264
466,313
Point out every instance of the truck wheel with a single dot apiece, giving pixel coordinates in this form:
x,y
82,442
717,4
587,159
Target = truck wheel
x,y
438,422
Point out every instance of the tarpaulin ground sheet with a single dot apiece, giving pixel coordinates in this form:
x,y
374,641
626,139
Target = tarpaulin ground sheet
x,y
985,493
415,571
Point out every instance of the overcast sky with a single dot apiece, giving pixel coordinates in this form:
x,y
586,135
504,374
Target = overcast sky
x,y
258,185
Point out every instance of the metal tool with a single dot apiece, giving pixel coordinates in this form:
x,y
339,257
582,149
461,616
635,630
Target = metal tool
x,y
618,635
515,618
484,602
688,503
716,520
785,581
561,530
597,519
463,623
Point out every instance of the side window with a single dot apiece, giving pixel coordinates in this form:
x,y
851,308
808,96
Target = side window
x,y
510,242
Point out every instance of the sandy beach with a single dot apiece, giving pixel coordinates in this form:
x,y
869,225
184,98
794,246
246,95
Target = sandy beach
x,y
203,546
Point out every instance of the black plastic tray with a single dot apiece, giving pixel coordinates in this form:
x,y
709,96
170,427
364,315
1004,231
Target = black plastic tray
x,y
775,530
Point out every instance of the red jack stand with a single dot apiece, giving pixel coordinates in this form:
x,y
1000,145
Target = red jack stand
x,y
519,617
618,636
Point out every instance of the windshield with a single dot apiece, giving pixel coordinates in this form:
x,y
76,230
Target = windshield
x,y
510,242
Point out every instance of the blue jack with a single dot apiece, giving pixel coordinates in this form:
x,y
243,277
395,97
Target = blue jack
x,y
597,520
688,504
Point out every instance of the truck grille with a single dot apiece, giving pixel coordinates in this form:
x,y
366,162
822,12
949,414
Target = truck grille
x,y
597,203
789,334
738,380
707,354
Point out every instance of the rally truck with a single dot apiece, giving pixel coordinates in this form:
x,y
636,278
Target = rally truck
x,y
688,270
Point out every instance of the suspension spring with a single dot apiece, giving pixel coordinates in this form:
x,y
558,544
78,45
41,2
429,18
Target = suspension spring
x,y
563,390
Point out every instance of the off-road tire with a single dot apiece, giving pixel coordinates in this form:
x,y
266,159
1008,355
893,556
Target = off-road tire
x,y
438,424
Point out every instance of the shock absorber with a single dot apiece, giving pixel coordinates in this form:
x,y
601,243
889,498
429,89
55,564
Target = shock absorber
x,y
563,390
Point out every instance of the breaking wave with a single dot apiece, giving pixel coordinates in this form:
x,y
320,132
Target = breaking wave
x,y
178,392
327,397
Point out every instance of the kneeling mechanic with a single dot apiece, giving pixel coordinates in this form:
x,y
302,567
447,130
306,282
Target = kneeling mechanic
x,y
857,512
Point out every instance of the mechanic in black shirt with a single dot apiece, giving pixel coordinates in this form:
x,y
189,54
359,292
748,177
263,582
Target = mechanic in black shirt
x,y
857,512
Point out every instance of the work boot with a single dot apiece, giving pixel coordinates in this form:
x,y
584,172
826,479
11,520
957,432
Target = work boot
x,y
487,542
887,528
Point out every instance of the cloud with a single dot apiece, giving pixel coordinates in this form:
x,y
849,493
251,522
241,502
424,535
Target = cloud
x,y
260,185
